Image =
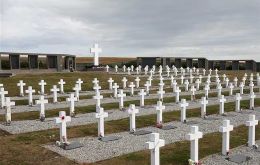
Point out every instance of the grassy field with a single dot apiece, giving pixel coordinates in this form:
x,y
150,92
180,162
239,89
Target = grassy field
x,y
26,148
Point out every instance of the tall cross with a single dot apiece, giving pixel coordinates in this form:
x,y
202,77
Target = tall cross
x,y
241,88
42,83
183,106
76,89
251,123
107,68
147,85
203,103
8,104
124,80
252,101
121,96
137,82
194,137
79,82
132,111
98,97
154,145
101,115
159,108
61,83
207,88
225,129
186,85
193,90
238,98
62,120
30,92
115,87
21,84
222,101
177,96
161,93
131,86
142,94
3,93
55,92
110,83
96,50
42,101
72,100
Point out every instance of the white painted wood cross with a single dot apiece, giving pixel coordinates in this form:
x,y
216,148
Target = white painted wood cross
x,y
193,90
222,101
8,104
21,84
177,95
129,71
174,85
96,88
197,82
3,93
95,82
203,103
137,82
110,83
115,87
42,83
79,82
121,96
55,93
207,88
183,106
61,83
231,87
227,82
186,85
235,81
124,80
147,87
107,68
252,101
98,97
251,123
238,98
96,50
159,109
131,86
154,145
116,68
225,129
142,94
100,115
251,87
30,92
241,88
72,100
76,89
194,137
42,103
160,94
219,88
62,120
132,111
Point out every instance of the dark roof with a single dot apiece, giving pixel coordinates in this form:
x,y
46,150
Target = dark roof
x,y
34,54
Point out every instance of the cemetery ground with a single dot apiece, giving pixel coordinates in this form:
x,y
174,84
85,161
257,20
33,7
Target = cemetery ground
x,y
27,148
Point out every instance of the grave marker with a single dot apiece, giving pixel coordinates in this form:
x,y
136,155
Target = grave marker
x,y
225,129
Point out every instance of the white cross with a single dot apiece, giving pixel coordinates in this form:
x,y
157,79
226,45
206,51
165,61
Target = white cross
x,y
110,82
131,86
224,77
241,88
96,88
132,111
235,81
191,79
137,82
132,68
231,87
30,92
252,101
193,90
115,87
225,129
124,80
101,115
186,85
96,50
42,83
79,82
129,71
147,85
203,103
238,98
251,85
183,106
107,68
177,95
8,103
98,97
142,94
137,70
3,93
62,120
251,123
161,85
207,88
21,84
200,78
222,101
174,85
55,92
197,84
124,67
116,68
161,93
121,96
42,101
244,80
159,108
194,137
76,89
95,81
154,145
61,83
216,71
72,100
227,82
150,80
219,88
182,78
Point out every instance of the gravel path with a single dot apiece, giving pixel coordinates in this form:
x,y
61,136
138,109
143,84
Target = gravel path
x,y
217,159
87,102
23,126
95,150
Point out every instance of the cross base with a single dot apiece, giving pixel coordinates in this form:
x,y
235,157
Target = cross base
x,y
42,118
73,114
8,123
70,146
210,118
140,132
239,158
168,127
109,138
191,122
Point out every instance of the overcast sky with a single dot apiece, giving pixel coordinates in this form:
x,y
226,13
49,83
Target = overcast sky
x,y
216,29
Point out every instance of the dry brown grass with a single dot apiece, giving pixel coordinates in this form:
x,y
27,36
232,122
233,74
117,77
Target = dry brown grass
x,y
104,60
